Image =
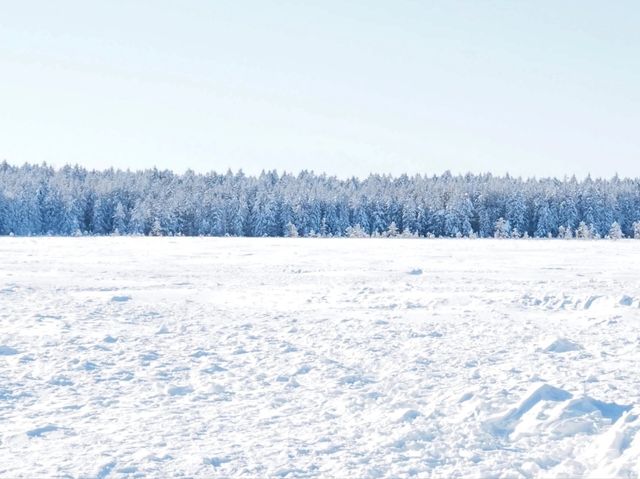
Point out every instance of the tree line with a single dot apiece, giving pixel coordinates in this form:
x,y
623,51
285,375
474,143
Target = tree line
x,y
42,200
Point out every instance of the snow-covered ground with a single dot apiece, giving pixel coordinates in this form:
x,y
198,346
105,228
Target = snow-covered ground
x,y
201,357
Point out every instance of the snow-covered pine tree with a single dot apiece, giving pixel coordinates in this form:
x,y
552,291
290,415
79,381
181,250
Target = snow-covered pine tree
x,y
517,211
583,231
156,228
392,230
356,232
546,222
561,231
615,232
291,231
502,228
119,218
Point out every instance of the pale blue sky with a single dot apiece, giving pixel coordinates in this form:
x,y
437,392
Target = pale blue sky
x,y
346,87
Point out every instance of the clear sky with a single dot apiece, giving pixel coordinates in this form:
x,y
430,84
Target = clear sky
x,y
348,87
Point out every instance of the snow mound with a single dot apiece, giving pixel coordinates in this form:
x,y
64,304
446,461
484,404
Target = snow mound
x,y
553,413
615,453
504,424
584,415
163,329
588,405
562,345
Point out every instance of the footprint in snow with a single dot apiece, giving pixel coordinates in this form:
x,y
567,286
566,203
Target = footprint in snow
x,y
179,390
215,461
7,351
409,415
214,368
40,431
60,380
121,299
200,353
626,300
304,369
105,470
355,380
465,397
89,366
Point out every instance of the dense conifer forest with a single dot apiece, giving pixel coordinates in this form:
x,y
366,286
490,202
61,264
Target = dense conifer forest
x,y
41,200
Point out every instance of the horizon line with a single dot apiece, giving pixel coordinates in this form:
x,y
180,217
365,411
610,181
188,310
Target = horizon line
x,y
455,174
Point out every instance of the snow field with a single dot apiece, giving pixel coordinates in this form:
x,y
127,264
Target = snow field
x,y
205,357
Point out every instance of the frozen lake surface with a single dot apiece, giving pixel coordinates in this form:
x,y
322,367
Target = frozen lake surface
x,y
203,357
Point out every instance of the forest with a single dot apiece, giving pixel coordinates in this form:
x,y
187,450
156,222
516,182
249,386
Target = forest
x,y
42,200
